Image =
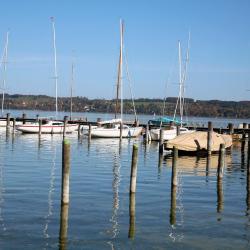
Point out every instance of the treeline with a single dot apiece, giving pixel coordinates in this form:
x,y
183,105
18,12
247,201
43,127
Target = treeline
x,y
211,108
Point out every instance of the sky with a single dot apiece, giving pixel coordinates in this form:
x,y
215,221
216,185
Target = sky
x,y
87,33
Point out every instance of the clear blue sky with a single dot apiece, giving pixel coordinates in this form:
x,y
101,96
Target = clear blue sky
x,y
219,65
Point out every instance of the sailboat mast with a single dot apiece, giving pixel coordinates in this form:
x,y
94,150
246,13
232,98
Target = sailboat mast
x,y
121,61
117,87
5,55
71,88
55,59
180,79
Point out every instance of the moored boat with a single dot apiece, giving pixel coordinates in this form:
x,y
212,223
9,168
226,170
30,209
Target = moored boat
x,y
48,127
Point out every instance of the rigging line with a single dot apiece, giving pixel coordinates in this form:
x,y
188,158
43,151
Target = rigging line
x,y
4,62
130,85
184,77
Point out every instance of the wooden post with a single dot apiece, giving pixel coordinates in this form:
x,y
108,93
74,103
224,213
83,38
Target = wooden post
x,y
221,163
147,134
65,172
14,124
231,128
131,233
174,181
161,145
178,130
24,117
220,172
133,173
248,183
8,120
79,130
65,121
248,147
243,141
40,127
208,165
209,138
121,130
63,226
89,131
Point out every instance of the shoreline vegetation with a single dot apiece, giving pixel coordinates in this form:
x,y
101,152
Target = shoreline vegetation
x,y
201,108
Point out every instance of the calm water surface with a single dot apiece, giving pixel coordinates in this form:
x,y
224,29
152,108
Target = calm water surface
x,y
201,214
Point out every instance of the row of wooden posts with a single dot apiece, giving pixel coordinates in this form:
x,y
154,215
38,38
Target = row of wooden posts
x,y
133,176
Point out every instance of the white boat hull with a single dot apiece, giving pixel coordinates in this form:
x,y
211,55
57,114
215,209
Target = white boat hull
x,y
46,129
101,132
3,123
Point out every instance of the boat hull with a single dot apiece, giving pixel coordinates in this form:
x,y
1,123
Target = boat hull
x,y
115,133
45,129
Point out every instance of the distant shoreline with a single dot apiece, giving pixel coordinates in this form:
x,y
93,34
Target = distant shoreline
x,y
199,108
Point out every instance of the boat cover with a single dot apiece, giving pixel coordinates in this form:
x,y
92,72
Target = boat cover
x,y
198,141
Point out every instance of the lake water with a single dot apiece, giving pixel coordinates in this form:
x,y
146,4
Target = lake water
x,y
202,215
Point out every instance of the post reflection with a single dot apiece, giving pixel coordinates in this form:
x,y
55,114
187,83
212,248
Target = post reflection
x,y
248,186
220,199
172,217
63,234
208,165
131,232
160,160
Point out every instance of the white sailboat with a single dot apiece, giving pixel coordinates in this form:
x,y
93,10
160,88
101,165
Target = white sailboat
x,y
49,126
111,128
4,63
171,131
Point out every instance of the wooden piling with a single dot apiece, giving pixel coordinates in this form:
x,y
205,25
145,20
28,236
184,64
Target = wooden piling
x,y
79,130
14,124
24,118
133,173
8,120
248,146
231,128
40,128
243,141
121,130
147,134
65,121
161,145
178,130
209,138
221,163
131,232
174,181
65,172
90,131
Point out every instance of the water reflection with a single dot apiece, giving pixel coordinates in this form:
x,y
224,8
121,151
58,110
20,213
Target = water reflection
x,y
2,190
220,199
63,234
131,232
51,191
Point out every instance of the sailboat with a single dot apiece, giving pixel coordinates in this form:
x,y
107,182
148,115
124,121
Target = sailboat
x,y
111,128
4,62
49,126
171,131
